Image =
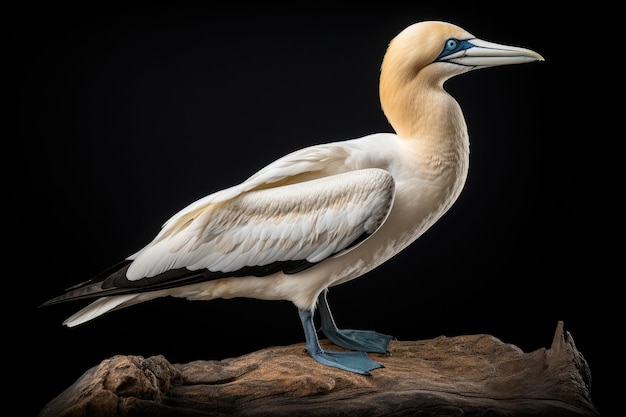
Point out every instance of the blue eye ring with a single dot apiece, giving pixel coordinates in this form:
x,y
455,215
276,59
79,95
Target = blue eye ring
x,y
453,45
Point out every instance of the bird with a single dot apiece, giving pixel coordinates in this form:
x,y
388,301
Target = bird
x,y
324,214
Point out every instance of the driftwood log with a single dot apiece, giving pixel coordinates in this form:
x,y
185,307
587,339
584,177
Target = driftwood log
x,y
475,375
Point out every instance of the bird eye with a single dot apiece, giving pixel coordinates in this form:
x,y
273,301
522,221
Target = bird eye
x,y
452,44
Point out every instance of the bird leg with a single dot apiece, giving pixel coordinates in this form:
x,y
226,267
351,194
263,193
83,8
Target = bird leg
x,y
357,362
361,340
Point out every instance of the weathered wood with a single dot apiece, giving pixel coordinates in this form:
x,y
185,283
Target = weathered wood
x,y
475,375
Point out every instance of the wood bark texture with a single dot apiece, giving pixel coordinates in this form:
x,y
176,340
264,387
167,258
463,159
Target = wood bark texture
x,y
475,375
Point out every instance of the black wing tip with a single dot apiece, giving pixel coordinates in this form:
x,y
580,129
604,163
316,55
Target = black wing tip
x,y
69,296
51,302
72,293
113,280
88,289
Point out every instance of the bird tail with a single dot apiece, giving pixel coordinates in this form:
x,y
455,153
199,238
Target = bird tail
x,y
103,305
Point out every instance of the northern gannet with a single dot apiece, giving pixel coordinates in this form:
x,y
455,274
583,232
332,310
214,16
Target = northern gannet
x,y
325,214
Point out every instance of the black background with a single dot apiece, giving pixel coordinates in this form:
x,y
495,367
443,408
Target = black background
x,y
126,116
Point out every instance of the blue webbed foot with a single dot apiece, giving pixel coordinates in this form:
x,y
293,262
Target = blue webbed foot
x,y
361,340
357,362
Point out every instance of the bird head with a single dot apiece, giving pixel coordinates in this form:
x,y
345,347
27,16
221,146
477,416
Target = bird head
x,y
451,49
448,50
426,54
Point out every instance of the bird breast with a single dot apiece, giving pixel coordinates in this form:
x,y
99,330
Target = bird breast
x,y
427,185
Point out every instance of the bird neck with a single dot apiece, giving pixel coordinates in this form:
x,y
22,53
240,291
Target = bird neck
x,y
426,117
419,108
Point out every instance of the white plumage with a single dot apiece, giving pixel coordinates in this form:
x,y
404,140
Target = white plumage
x,y
258,227
325,214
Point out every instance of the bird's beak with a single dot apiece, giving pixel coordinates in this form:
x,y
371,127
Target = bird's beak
x,y
482,54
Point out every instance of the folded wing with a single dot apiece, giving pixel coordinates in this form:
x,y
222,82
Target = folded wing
x,y
306,221
284,228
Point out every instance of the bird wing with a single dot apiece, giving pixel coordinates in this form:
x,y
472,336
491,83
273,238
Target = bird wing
x,y
295,212
302,223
